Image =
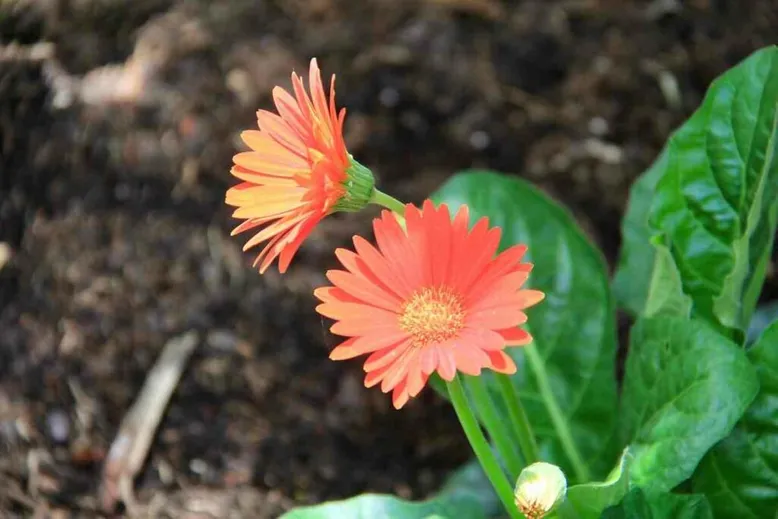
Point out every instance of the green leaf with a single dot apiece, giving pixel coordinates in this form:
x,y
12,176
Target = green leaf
x,y
467,494
764,316
715,201
588,500
639,504
573,328
665,291
740,475
374,506
632,279
685,387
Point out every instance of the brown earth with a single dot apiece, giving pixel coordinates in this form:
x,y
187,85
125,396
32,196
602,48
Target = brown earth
x,y
118,119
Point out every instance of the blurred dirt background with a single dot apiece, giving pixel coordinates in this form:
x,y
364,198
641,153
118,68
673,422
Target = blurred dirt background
x,y
118,120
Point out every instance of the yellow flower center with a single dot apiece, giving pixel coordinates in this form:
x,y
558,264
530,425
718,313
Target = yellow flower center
x,y
432,315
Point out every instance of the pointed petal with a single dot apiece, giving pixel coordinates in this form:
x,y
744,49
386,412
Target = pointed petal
x,y
501,362
356,346
447,368
379,359
515,336
400,396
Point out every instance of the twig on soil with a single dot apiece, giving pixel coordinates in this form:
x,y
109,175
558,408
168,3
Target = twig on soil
x,y
12,493
667,81
13,51
131,445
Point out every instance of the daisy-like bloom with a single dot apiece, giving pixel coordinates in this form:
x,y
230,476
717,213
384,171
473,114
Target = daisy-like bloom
x,y
297,172
434,296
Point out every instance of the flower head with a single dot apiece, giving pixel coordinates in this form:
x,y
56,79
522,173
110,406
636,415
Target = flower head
x,y
297,172
539,488
433,297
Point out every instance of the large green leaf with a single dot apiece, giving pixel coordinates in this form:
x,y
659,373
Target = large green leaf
x,y
740,475
685,387
665,290
639,504
632,279
713,199
467,494
573,327
588,500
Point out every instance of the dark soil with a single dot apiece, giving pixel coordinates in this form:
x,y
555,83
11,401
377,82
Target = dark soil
x,y
111,206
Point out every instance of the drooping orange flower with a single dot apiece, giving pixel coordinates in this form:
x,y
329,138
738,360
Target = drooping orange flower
x,y
297,172
433,297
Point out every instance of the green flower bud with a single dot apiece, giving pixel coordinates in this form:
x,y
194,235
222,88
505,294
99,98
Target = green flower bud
x,y
539,488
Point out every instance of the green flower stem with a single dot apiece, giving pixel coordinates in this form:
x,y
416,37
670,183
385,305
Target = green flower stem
x,y
519,420
391,203
498,428
481,448
561,426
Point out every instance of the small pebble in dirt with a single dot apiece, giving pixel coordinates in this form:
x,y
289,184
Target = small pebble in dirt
x,y
58,426
598,126
72,339
222,340
480,140
59,513
199,467
389,97
5,254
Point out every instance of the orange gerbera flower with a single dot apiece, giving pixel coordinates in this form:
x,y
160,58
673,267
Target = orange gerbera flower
x,y
297,172
432,297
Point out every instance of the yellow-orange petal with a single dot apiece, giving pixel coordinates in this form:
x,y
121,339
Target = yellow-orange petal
x,y
400,396
385,356
515,336
501,362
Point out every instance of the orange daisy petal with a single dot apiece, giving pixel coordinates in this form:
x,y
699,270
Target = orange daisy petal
x,y
360,326
447,367
250,224
376,376
356,346
296,238
356,265
469,360
384,357
516,336
395,247
400,395
350,312
472,263
272,230
496,318
398,370
505,262
280,131
501,362
261,179
382,268
361,288
433,297
415,378
429,360
290,111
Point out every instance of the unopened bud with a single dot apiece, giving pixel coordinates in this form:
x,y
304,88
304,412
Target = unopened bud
x,y
540,486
